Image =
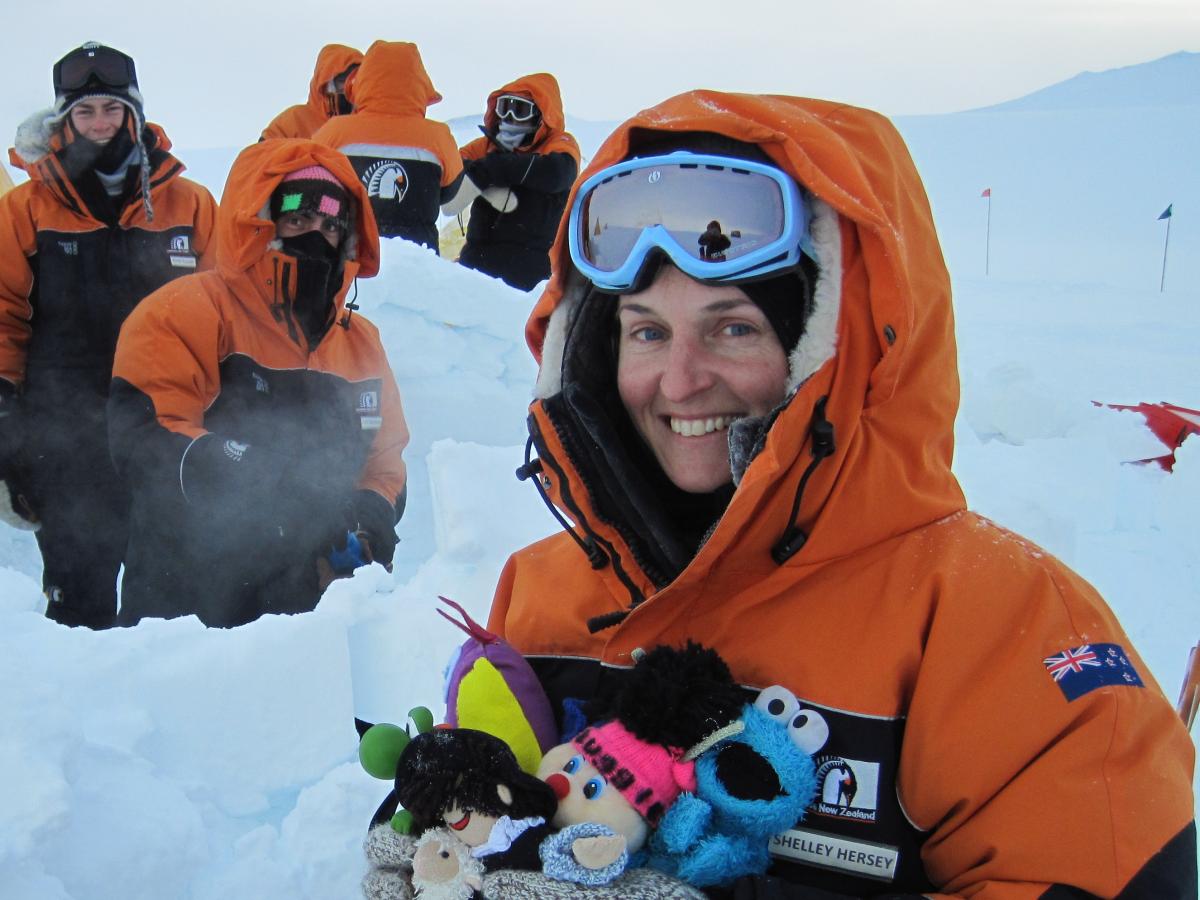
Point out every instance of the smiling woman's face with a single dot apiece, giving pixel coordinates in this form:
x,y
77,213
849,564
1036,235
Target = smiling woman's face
x,y
693,357
98,119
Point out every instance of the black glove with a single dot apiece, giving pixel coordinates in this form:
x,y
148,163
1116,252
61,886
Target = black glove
x,y
10,439
376,523
477,172
218,470
266,492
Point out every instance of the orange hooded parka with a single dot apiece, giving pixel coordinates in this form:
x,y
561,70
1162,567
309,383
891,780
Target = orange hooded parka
x,y
408,164
235,428
961,760
303,119
515,245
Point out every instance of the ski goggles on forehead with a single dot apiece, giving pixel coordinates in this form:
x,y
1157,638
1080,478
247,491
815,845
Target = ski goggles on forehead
x,y
104,64
514,108
717,218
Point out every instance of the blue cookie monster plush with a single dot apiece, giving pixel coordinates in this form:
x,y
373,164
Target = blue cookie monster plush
x,y
754,779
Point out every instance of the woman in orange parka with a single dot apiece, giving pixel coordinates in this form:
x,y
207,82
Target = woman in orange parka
x,y
104,220
253,411
408,164
782,491
326,95
527,153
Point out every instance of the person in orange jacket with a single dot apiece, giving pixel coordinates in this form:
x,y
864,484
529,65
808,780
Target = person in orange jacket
x,y
254,412
104,220
755,452
527,159
408,164
336,63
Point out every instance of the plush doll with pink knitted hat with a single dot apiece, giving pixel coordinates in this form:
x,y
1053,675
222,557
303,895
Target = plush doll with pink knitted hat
x,y
624,772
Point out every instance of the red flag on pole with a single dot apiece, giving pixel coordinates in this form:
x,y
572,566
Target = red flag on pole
x,y
987,192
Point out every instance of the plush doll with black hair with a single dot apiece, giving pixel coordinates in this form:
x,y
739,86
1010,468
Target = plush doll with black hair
x,y
470,782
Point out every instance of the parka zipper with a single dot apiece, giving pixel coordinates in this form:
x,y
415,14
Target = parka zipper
x,y
283,309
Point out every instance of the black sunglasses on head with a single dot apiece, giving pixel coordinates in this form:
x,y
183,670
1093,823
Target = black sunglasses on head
x,y
93,62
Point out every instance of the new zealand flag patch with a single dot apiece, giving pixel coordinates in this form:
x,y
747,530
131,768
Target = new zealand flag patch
x,y
1080,670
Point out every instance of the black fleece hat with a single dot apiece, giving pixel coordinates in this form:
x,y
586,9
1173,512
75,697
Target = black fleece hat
x,y
785,300
94,70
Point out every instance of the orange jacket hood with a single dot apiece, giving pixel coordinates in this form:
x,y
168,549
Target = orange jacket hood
x,y
244,227
392,80
248,256
879,343
333,60
542,89
303,119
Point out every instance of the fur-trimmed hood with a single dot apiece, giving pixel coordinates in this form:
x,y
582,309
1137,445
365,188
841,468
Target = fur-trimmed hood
x,y
41,140
42,133
877,359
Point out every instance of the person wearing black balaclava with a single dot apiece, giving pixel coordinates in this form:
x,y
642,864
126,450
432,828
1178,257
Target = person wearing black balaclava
x,y
104,220
254,410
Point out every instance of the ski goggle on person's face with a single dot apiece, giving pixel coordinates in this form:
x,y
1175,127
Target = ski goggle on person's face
x,y
514,108
717,218
93,61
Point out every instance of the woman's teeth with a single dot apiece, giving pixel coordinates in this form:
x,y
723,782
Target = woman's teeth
x,y
697,427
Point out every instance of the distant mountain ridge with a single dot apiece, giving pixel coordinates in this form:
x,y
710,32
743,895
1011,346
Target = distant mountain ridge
x,y
1170,81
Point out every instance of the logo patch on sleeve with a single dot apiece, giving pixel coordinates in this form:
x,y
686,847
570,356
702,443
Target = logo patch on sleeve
x,y
1080,670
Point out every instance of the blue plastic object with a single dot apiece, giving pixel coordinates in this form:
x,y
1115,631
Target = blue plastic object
x,y
343,562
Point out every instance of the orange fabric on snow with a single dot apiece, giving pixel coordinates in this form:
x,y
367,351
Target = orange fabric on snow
x,y
303,119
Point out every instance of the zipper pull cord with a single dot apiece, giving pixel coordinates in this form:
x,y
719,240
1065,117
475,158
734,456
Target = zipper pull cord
x,y
530,472
823,446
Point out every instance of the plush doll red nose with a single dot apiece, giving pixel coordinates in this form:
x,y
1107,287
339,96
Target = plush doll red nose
x,y
559,784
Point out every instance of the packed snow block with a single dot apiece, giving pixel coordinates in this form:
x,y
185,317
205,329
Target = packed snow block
x,y
18,591
322,836
412,278
36,795
120,803
241,714
478,501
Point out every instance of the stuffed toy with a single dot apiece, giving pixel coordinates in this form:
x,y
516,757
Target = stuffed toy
x,y
625,772
443,867
754,779
490,687
469,782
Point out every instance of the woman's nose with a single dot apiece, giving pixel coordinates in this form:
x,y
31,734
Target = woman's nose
x,y
688,370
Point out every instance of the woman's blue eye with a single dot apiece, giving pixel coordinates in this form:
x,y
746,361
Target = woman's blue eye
x,y
573,765
739,329
648,333
593,789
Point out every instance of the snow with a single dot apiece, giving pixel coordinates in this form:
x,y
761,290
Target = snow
x,y
173,761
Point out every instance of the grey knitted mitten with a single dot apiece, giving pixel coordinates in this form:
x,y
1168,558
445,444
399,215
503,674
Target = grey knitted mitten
x,y
635,884
389,860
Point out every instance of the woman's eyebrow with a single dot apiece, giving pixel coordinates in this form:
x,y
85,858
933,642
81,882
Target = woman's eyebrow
x,y
727,304
722,305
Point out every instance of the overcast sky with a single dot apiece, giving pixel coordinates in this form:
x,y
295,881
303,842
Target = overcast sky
x,y
215,73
